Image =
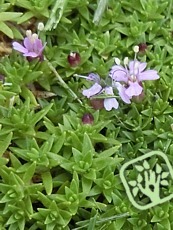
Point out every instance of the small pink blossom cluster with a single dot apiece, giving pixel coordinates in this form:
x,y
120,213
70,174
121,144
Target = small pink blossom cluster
x,y
126,79
32,46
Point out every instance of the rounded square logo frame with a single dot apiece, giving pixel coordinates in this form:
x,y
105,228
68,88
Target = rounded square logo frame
x,y
138,161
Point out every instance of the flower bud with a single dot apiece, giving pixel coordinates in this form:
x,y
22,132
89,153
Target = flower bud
x,y
28,33
126,61
139,98
97,104
136,49
40,26
74,59
87,118
142,47
117,61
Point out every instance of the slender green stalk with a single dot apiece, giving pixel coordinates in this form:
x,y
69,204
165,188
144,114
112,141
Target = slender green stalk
x,y
56,14
62,82
100,10
104,220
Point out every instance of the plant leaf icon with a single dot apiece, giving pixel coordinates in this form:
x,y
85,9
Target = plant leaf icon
x,y
164,182
158,168
146,165
164,175
135,191
139,178
132,183
139,168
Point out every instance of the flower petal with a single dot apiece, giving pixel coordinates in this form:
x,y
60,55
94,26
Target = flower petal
x,y
31,54
95,89
17,46
140,66
148,75
110,103
38,46
109,90
118,73
27,43
122,94
134,89
93,77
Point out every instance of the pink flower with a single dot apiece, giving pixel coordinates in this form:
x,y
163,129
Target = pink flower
x,y
96,89
32,46
131,76
110,103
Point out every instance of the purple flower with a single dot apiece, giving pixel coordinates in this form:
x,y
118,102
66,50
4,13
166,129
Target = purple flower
x,y
93,90
97,89
32,46
121,90
110,103
131,77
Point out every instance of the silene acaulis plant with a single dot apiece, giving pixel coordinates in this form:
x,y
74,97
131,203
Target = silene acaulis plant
x,y
124,81
32,46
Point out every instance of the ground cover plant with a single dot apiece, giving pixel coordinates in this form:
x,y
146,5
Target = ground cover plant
x,y
85,86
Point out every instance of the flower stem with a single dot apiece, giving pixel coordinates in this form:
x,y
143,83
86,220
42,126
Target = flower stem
x,y
62,82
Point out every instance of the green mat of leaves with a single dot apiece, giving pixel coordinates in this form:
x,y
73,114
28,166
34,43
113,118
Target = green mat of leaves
x,y
56,172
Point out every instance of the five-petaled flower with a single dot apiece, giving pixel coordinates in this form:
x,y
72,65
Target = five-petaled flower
x,y
128,79
32,46
96,89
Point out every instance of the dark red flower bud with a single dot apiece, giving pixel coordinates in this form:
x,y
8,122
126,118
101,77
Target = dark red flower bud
x,y
74,59
97,103
139,98
142,47
87,118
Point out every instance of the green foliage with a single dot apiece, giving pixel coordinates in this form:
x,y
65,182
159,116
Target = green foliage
x,y
56,172
12,17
